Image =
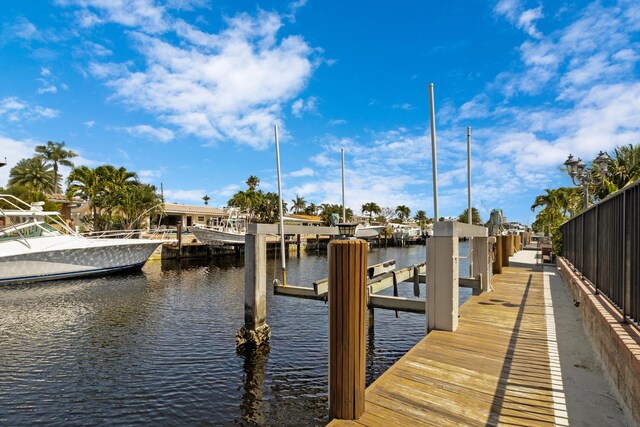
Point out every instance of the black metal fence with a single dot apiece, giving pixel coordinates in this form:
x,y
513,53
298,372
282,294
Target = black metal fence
x,y
603,244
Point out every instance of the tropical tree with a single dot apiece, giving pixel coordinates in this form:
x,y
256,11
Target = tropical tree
x,y
137,202
623,168
475,216
403,212
299,204
421,218
372,208
253,182
328,209
206,199
34,174
55,153
84,182
311,209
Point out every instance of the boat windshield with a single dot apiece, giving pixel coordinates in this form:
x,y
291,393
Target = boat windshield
x,y
29,230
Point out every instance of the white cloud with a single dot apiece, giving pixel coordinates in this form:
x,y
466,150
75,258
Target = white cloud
x,y
303,172
301,106
523,19
14,150
143,14
89,124
225,86
336,122
149,175
182,195
162,134
16,110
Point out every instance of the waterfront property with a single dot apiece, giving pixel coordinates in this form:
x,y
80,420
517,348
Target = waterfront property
x,y
509,363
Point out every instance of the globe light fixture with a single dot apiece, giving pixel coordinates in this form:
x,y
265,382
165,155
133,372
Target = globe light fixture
x,y
582,176
347,229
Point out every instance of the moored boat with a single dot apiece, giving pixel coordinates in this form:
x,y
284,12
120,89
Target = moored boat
x,y
37,245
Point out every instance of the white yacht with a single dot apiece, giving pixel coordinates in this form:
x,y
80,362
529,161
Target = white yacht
x,y
37,245
230,232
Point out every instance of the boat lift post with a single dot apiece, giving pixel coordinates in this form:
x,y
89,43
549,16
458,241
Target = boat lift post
x,y
280,213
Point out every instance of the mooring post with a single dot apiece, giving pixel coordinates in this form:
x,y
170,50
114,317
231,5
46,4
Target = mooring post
x,y
347,306
255,331
482,267
505,251
510,244
442,283
497,262
179,237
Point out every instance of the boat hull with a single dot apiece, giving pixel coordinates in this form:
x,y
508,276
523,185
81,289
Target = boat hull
x,y
104,258
210,236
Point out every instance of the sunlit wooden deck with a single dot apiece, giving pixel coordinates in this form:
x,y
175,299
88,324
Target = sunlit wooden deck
x,y
495,369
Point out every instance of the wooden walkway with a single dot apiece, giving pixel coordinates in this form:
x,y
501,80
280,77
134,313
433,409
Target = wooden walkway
x,y
494,370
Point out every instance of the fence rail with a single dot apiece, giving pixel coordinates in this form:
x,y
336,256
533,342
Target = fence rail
x,y
603,243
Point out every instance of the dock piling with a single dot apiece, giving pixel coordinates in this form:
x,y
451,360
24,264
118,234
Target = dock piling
x,y
347,307
255,331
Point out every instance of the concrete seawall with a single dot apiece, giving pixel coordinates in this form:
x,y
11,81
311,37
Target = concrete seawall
x,y
618,343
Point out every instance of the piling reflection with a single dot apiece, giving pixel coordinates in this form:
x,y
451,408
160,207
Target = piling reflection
x,y
253,407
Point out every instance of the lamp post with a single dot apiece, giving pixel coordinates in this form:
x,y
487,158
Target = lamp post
x,y
581,175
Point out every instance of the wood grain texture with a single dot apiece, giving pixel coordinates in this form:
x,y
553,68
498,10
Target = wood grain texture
x,y
494,370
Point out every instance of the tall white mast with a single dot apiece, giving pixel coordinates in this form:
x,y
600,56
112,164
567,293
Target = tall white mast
x,y
282,244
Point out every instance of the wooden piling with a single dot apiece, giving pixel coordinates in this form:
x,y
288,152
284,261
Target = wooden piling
x,y
347,307
497,262
505,250
179,237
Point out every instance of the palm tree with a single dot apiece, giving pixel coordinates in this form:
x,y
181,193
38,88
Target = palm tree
x,y
421,218
33,173
253,182
206,199
55,153
475,216
372,208
312,209
624,168
84,182
137,201
403,212
299,204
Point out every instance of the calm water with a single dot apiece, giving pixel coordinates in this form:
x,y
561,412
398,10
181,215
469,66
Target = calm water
x,y
158,347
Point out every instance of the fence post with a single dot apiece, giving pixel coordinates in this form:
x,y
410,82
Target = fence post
x,y
626,259
347,307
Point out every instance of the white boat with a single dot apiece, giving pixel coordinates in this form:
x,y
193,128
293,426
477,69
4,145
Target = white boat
x,y
405,232
231,232
37,245
369,231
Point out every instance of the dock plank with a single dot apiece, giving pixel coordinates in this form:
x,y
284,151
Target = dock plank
x,y
494,370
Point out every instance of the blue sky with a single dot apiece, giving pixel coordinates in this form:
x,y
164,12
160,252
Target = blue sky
x,y
186,93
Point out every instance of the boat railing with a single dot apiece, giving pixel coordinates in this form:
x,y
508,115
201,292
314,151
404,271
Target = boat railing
x,y
20,209
152,234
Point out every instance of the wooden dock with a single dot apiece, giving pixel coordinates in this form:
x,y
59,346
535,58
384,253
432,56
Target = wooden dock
x,y
494,370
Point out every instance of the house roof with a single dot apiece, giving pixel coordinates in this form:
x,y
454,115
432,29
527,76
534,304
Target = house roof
x,y
176,208
312,219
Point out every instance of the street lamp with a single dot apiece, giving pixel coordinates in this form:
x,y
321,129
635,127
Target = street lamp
x,y
581,175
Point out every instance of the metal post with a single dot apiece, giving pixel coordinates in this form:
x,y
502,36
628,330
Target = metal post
x,y
469,216
434,161
585,187
469,174
344,209
280,210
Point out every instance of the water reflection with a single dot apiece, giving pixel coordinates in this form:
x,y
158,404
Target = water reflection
x,y
254,407
158,347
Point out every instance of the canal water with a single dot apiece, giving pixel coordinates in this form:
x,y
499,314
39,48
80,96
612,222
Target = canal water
x,y
157,347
